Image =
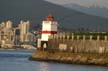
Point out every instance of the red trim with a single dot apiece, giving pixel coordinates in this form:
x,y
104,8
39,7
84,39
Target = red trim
x,y
49,32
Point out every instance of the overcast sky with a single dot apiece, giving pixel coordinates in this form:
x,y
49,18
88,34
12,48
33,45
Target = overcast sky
x,y
81,2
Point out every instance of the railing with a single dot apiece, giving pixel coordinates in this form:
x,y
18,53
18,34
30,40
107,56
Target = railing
x,y
101,36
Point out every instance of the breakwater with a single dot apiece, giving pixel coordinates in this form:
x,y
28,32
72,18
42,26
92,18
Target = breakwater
x,y
78,49
71,58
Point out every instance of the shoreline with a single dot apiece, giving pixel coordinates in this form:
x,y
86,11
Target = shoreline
x,y
71,58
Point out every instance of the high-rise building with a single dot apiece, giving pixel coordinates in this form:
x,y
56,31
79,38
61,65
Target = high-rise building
x,y
9,24
24,27
31,38
24,30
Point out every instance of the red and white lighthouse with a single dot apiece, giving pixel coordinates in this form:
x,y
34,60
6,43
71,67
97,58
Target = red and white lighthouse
x,y
49,27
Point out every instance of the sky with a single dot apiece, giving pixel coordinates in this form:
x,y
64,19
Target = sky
x,y
82,2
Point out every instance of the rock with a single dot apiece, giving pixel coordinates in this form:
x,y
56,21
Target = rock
x,y
67,57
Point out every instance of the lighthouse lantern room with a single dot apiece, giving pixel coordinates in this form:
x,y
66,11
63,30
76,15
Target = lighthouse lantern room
x,y
49,27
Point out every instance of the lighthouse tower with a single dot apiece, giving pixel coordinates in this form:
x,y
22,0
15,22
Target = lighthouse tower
x,y
49,27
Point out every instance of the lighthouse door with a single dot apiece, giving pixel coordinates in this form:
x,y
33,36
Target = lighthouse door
x,y
44,44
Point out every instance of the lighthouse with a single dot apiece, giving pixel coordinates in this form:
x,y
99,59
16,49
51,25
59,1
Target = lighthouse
x,y
49,27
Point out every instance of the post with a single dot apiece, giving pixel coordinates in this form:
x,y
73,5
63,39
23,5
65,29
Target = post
x,y
67,37
60,37
72,37
63,36
98,38
105,38
91,37
84,37
78,37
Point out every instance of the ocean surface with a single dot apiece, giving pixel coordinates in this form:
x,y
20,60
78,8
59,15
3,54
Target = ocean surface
x,y
17,60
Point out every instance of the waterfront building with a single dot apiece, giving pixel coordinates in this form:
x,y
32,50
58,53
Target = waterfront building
x,y
2,25
9,24
24,27
30,38
24,30
7,36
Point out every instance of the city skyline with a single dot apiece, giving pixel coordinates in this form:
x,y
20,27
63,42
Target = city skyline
x,y
11,36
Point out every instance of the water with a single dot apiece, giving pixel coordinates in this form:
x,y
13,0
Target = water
x,y
12,60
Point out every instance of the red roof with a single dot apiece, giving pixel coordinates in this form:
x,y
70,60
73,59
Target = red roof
x,y
50,17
